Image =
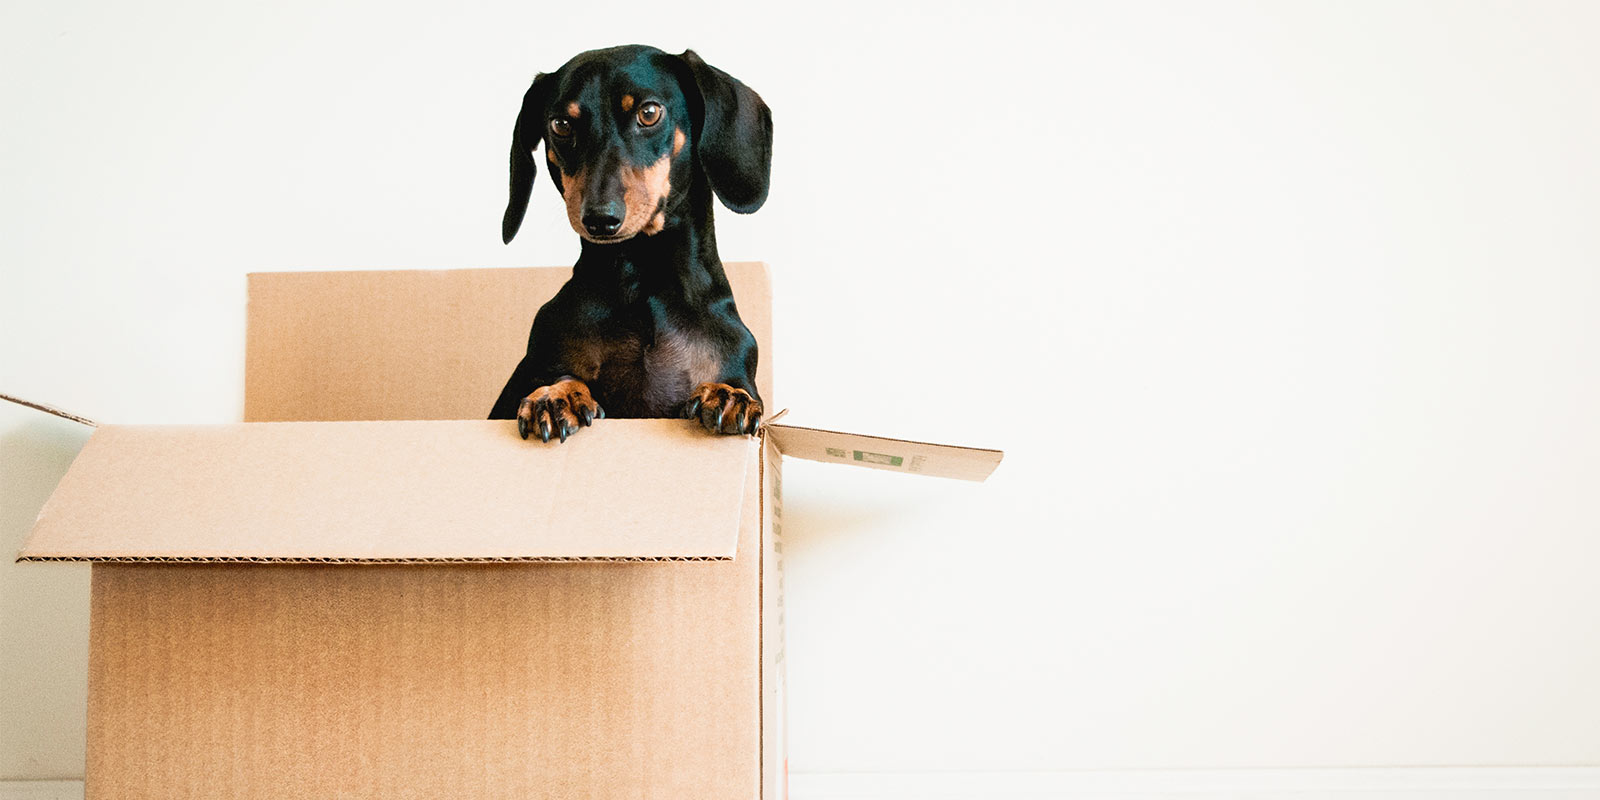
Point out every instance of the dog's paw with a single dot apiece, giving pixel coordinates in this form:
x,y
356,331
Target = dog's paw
x,y
723,409
558,409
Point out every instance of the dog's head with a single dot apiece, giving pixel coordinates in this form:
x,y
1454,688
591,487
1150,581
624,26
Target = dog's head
x,y
626,128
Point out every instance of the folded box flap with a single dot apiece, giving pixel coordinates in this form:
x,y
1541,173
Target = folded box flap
x,y
878,452
48,409
623,490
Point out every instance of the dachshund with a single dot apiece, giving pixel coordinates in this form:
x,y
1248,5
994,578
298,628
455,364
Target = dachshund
x,y
638,140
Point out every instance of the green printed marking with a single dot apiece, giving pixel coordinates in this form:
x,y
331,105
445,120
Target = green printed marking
x,y
879,458
837,453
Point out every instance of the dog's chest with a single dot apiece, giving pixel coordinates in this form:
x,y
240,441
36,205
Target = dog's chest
x,y
645,378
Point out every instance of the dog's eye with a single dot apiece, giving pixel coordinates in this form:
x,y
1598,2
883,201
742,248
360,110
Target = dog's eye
x,y
650,114
561,127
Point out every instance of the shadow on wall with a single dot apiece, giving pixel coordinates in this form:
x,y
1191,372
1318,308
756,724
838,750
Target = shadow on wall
x,y
44,611
828,506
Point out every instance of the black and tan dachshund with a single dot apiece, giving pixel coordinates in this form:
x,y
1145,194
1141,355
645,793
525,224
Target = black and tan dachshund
x,y
638,140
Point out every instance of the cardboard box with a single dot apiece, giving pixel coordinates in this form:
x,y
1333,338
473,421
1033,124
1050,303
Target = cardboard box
x,y
365,590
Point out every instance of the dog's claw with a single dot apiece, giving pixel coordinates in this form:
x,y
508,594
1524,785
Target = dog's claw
x,y
558,410
723,409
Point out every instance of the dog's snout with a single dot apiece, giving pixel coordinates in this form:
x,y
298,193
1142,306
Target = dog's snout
x,y
603,221
602,225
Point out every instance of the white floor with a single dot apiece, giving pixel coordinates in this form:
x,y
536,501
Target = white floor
x,y
1307,784
1421,783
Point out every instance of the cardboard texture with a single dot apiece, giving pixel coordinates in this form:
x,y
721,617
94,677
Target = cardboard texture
x,y
372,493
416,344
534,674
774,710
877,452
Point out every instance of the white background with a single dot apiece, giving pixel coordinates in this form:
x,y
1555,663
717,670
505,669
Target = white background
x,y
1283,312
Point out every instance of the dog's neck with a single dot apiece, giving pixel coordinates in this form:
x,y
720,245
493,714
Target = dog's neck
x,y
681,260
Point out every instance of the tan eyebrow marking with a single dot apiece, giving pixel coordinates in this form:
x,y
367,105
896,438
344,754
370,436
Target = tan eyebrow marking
x,y
627,102
677,140
573,110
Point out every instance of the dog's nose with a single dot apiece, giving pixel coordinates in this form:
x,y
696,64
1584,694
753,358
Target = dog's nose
x,y
603,222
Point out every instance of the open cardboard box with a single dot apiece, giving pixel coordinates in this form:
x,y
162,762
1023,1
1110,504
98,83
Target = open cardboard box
x,y
367,591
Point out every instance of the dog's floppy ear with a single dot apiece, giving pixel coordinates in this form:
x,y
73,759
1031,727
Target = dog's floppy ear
x,y
733,135
524,137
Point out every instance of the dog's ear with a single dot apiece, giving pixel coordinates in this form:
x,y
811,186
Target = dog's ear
x,y
524,137
733,135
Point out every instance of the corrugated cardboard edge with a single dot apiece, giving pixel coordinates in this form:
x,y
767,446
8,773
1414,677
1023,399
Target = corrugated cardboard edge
x,y
321,560
771,675
695,542
761,614
48,409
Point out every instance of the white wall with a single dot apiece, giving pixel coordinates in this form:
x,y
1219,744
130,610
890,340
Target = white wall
x,y
1285,314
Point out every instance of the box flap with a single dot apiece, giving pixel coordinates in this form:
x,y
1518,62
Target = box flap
x,y
416,344
453,491
48,409
877,452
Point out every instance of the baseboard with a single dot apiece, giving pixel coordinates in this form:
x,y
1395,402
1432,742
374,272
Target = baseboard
x,y
1409,783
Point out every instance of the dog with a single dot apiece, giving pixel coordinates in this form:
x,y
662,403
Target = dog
x,y
638,140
